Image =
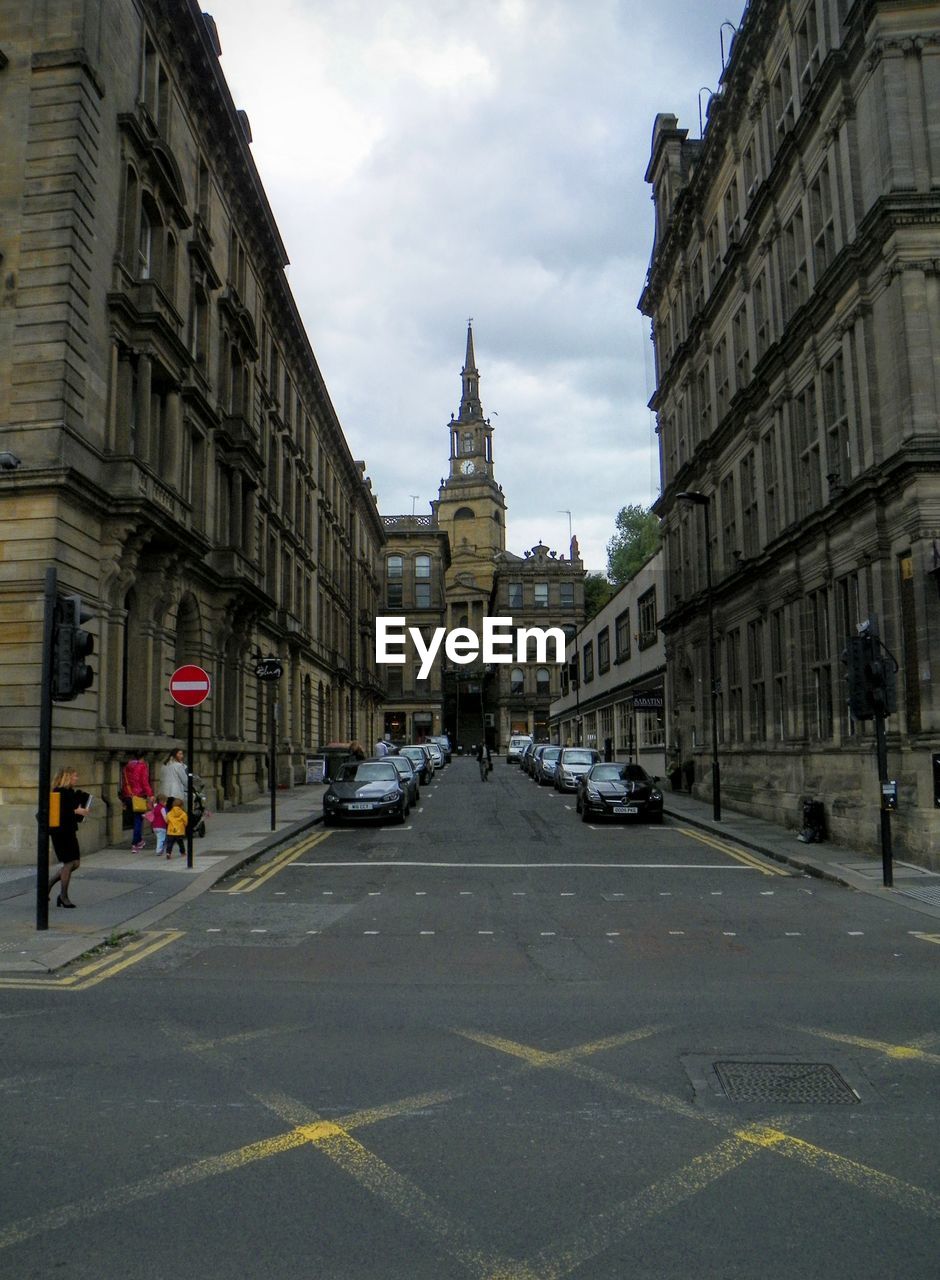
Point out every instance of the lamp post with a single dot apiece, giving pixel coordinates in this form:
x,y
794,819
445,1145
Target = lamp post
x,y
701,500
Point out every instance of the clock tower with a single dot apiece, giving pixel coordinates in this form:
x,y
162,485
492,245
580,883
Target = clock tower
x,y
470,505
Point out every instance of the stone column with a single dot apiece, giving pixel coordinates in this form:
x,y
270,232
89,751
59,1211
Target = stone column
x,y
142,433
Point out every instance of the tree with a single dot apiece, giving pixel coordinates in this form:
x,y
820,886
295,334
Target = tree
x,y
638,536
597,591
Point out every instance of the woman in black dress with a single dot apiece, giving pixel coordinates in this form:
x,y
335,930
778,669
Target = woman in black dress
x,y
73,805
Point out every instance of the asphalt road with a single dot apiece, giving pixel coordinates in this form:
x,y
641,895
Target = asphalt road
x,y
496,1043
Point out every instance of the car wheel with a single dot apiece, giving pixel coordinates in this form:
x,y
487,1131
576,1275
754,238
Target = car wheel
x,y
401,814
577,805
585,816
329,820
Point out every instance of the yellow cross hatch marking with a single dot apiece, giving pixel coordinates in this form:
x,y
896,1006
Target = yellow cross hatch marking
x,y
899,1051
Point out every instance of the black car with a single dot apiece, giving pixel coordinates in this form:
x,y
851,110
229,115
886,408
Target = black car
x,y
619,790
366,789
409,776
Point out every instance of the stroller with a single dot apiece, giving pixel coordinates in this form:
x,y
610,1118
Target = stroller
x,y
200,812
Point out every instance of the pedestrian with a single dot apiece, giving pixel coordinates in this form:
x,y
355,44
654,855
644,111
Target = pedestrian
x,y
174,774
381,748
73,805
138,795
176,820
481,761
157,818
357,751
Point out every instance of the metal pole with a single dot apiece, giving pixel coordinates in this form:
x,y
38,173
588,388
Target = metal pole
x,y
887,872
272,767
189,789
45,753
716,768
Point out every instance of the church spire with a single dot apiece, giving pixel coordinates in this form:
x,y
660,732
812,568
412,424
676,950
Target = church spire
x,y
470,407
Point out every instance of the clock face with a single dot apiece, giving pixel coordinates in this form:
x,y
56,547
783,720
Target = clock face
x,y
467,467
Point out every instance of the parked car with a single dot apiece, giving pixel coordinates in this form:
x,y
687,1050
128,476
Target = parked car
x,y
409,775
517,744
532,761
366,789
545,768
443,742
421,759
436,753
619,790
572,762
526,756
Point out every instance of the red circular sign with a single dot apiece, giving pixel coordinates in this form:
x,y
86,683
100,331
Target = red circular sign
x,y
189,686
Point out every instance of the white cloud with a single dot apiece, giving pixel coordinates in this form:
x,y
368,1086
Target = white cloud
x,y
426,162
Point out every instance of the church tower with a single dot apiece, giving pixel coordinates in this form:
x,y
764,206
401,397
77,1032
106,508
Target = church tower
x,y
470,505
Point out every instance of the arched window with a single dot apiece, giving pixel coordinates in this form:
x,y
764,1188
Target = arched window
x,y
145,245
464,513
543,682
468,442
517,682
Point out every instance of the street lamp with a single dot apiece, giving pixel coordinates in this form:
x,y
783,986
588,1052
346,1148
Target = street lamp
x,y
700,500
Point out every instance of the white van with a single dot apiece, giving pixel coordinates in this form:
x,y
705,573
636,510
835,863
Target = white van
x,y
517,744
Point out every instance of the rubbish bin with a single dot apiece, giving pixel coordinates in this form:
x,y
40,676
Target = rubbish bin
x,y
334,754
813,825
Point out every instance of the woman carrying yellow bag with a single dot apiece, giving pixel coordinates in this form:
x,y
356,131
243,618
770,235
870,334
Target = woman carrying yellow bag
x,y
138,794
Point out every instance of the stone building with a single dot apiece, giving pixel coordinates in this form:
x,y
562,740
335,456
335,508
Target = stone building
x,y
470,576
795,300
180,462
613,691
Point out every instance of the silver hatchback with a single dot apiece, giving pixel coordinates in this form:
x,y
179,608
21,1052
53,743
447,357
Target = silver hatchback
x,y
572,762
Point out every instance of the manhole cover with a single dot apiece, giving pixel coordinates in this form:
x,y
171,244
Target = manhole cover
x,y
783,1082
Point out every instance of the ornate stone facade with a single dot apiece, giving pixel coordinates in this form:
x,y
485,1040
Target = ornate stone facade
x,y
181,463
794,293
470,576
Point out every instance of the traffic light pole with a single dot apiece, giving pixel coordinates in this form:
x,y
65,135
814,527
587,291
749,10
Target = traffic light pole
x,y
881,748
45,753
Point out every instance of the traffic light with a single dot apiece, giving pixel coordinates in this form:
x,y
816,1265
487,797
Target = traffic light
x,y
71,645
871,677
857,656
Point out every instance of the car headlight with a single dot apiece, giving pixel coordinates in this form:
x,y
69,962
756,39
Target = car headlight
x,y
392,795
593,792
330,798
656,795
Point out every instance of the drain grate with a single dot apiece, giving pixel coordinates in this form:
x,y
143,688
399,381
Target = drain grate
x,y
784,1082
923,893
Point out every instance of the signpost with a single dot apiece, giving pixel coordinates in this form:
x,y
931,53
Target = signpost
x,y
269,670
189,687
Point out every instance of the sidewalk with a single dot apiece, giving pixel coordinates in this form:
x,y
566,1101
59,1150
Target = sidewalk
x,y
117,891
914,888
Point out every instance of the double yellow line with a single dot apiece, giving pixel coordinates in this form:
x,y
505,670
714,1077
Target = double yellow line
x,y
89,975
263,873
740,855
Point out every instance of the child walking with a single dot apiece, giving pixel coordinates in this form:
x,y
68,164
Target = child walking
x,y
158,822
176,820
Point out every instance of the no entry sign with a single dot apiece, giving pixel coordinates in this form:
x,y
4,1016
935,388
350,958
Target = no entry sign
x,y
189,686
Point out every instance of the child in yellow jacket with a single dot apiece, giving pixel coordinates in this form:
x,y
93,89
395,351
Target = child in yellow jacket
x,y
176,820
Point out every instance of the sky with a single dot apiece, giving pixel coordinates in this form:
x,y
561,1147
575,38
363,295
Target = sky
x,y
429,161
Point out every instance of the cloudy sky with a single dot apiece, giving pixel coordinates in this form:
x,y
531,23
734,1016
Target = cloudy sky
x,y
428,161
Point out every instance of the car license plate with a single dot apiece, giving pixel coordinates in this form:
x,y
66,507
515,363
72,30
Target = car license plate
x,y
361,805
625,808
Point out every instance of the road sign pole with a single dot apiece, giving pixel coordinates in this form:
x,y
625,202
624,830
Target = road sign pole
x,y
45,754
881,746
189,789
272,767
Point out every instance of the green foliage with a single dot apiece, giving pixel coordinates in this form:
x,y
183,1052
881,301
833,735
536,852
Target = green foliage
x,y
597,591
638,536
